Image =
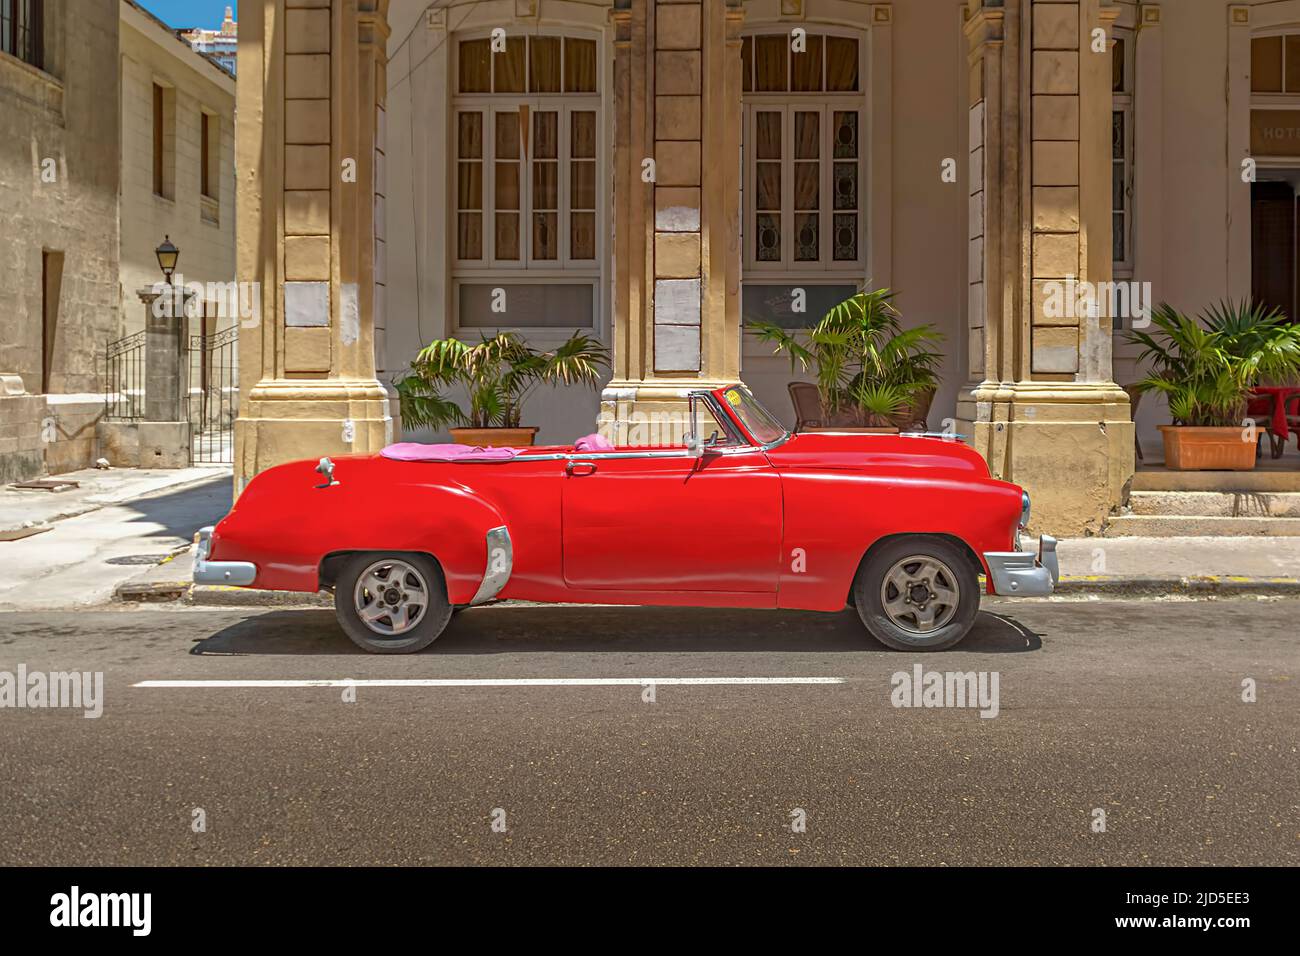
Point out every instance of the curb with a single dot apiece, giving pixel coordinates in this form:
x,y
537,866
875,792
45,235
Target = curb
x,y
1207,585
221,595
155,591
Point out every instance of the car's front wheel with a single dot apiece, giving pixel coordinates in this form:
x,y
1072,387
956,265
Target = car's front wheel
x,y
391,603
917,593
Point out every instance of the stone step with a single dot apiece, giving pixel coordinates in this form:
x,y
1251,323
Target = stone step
x,y
1188,526
1222,504
1273,477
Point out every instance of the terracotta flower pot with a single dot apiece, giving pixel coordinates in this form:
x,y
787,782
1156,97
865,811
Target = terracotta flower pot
x,y
496,437
1196,448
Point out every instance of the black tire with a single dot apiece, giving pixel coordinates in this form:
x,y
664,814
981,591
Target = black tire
x,y
938,565
424,581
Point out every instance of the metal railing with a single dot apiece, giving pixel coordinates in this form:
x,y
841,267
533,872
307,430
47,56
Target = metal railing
x,y
214,395
124,379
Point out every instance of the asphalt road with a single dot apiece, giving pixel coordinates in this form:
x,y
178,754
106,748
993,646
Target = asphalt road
x,y
1133,708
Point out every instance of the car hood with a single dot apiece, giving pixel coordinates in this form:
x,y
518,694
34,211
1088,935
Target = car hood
x,y
855,451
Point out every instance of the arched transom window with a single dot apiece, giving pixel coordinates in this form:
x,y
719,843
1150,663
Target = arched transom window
x,y
528,142
803,125
804,165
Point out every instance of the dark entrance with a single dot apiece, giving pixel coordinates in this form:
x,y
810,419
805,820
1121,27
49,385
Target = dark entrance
x,y
1273,245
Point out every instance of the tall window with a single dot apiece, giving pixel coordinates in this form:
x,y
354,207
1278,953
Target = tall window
x,y
804,221
22,30
527,156
1121,153
164,140
205,154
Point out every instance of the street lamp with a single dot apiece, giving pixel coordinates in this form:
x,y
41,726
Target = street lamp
x,y
167,255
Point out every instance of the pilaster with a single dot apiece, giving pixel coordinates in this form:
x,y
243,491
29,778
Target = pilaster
x,y
676,221
308,137
1041,403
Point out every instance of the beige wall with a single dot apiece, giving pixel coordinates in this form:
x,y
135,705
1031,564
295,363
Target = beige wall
x,y
1191,211
913,101
66,113
419,300
151,54
1191,208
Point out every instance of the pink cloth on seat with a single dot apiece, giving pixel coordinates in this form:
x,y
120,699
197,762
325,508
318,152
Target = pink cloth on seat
x,y
593,442
414,451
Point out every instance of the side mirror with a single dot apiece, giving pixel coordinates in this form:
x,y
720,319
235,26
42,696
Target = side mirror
x,y
694,447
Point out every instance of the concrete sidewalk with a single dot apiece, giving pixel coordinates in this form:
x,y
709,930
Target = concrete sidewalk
x,y
27,508
124,522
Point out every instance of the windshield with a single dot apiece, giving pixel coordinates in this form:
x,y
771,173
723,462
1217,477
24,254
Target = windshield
x,y
758,421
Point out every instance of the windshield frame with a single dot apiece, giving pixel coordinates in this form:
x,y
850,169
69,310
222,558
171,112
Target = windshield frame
x,y
739,403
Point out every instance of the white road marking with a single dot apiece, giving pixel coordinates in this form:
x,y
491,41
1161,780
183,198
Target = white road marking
x,y
492,682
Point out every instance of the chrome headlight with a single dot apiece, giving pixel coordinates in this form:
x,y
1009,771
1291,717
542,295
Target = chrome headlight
x,y
1024,509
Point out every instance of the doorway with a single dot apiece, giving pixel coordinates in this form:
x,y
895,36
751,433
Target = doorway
x,y
1273,243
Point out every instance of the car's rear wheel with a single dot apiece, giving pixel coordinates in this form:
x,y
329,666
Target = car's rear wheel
x,y
917,593
391,603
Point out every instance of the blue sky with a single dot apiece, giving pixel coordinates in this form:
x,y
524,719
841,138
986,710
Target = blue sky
x,y
190,13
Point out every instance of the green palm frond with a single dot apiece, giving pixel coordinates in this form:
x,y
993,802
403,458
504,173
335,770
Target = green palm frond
x,y
862,356
497,373
1206,367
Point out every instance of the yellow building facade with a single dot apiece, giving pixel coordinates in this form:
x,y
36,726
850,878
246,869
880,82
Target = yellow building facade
x,y
660,172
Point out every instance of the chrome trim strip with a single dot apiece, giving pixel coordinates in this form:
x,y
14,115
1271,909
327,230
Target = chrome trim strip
x,y
500,562
945,436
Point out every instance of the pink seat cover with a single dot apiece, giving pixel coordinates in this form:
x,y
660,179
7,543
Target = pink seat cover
x,y
593,442
414,451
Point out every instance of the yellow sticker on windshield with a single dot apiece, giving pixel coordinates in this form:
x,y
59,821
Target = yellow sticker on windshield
x,y
733,397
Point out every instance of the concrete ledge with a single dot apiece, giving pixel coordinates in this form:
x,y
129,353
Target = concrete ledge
x,y
219,595
1199,526
1207,585
151,591
1238,481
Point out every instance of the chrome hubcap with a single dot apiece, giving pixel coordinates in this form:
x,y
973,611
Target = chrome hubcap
x,y
920,594
391,597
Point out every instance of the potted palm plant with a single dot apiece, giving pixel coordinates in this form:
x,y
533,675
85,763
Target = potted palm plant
x,y
870,371
498,374
1206,369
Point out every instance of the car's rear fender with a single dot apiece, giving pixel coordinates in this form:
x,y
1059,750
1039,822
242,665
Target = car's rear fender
x,y
289,525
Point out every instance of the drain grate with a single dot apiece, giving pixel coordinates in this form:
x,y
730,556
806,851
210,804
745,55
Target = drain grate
x,y
46,484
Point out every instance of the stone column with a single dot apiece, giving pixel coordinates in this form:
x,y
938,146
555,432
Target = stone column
x,y
1041,404
162,438
676,212
310,93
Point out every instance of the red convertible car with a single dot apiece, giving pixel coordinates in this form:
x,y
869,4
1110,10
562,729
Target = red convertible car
x,y
900,526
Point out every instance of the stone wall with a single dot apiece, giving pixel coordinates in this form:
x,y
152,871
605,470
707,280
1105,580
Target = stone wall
x,y
59,148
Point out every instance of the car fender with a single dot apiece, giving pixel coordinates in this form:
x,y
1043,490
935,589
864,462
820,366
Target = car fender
x,y
288,522
822,556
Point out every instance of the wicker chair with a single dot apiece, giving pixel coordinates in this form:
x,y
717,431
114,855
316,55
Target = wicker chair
x,y
915,417
810,413
807,405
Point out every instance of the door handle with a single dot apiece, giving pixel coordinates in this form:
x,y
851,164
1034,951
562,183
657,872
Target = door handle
x,y
579,468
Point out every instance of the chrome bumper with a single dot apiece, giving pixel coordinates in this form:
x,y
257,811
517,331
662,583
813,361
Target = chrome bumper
x,y
1025,573
219,572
